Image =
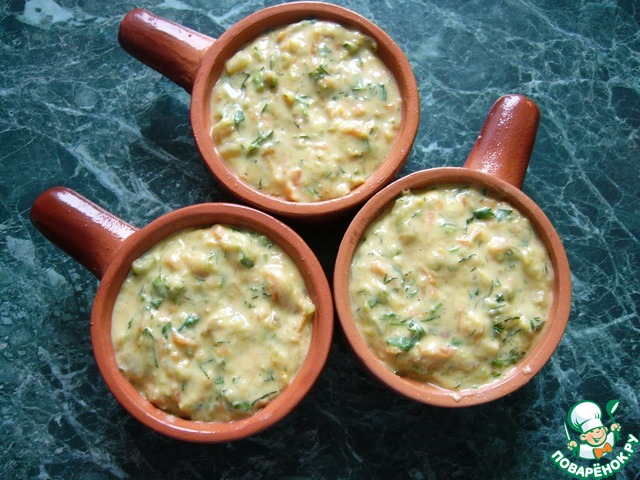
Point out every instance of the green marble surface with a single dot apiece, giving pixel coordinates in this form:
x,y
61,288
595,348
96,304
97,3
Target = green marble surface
x,y
76,110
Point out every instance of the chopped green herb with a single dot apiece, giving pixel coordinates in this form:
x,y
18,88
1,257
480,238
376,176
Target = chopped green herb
x,y
388,279
258,81
536,323
499,327
358,86
164,290
201,367
380,298
406,343
313,192
166,330
147,333
383,92
434,312
513,358
245,81
320,72
350,46
255,292
263,397
411,292
416,329
502,213
403,343
148,338
461,190
483,213
244,406
190,322
246,261
258,141
155,302
238,118
462,260
160,286
303,99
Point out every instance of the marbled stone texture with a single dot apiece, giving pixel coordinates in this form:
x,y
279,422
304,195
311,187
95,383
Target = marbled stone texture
x,y
76,110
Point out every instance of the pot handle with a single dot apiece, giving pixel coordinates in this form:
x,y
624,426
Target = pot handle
x,y
87,232
167,47
505,143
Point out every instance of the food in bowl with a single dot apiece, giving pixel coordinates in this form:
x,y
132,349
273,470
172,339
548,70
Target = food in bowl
x,y
450,286
306,112
211,324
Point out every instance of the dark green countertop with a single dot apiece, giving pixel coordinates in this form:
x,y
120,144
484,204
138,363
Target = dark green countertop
x,y
77,111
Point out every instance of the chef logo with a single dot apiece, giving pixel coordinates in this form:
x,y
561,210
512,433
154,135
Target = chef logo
x,y
592,436
596,440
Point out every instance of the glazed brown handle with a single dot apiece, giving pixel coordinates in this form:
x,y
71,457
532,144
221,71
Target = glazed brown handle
x,y
505,143
167,47
87,232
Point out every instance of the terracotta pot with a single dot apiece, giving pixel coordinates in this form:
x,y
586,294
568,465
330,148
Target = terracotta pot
x,y
107,246
196,61
498,162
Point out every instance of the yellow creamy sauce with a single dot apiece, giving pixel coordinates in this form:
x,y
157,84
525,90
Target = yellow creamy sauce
x,y
306,112
213,323
450,286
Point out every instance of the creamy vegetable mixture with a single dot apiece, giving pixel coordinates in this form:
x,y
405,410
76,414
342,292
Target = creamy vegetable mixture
x,y
306,112
211,324
450,286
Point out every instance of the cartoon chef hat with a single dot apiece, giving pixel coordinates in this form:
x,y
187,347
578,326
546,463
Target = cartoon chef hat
x,y
585,416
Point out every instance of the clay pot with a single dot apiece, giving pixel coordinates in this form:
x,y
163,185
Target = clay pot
x,y
196,61
498,162
107,246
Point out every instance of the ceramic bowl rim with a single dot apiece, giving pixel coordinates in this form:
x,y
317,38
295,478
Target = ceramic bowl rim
x,y
248,28
548,338
206,215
